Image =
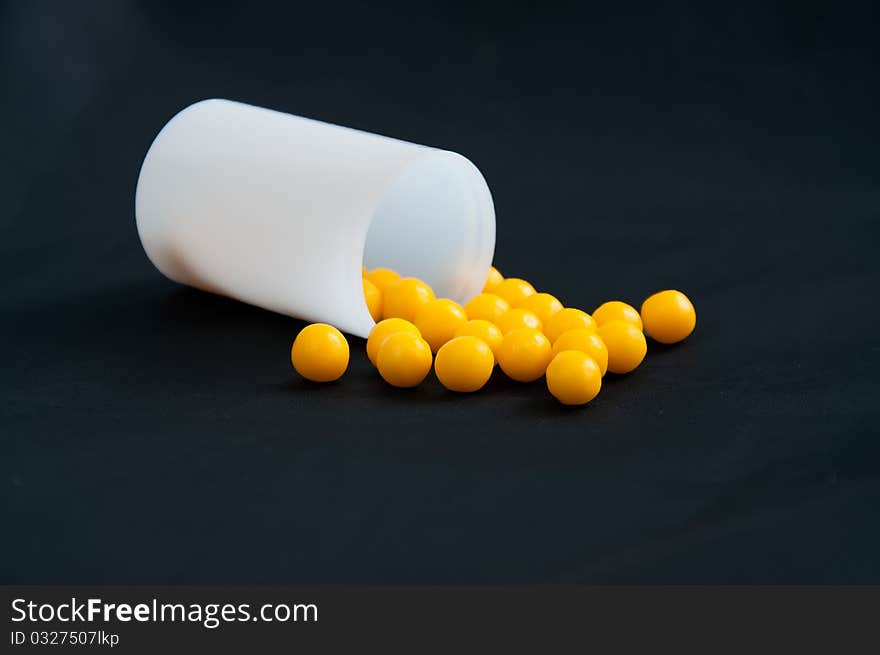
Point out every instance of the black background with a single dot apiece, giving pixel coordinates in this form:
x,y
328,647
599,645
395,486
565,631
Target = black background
x,y
152,433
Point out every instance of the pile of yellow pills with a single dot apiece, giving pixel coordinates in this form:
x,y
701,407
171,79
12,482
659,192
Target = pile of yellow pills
x,y
383,330
438,320
485,330
524,354
586,341
404,298
668,316
615,310
486,306
514,290
530,334
626,345
464,364
567,319
404,359
573,377
516,318
320,353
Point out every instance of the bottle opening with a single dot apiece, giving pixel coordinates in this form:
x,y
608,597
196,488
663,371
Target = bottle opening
x,y
435,222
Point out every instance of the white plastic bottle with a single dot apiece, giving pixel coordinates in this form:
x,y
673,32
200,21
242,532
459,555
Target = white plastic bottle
x,y
281,211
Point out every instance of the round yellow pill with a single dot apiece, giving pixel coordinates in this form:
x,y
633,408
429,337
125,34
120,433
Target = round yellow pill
x,y
405,297
573,377
382,277
568,319
404,359
374,299
669,316
320,353
485,330
524,354
516,318
492,280
514,290
464,364
615,310
586,341
543,305
385,329
626,345
438,320
486,306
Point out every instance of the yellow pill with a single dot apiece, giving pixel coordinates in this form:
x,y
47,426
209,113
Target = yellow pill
x,y
626,345
382,277
614,310
464,364
587,341
514,290
524,354
485,330
486,306
573,377
516,318
374,299
669,316
320,353
438,320
404,359
492,280
568,319
543,305
405,297
385,329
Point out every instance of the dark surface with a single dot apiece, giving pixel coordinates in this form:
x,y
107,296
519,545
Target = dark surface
x,y
152,433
